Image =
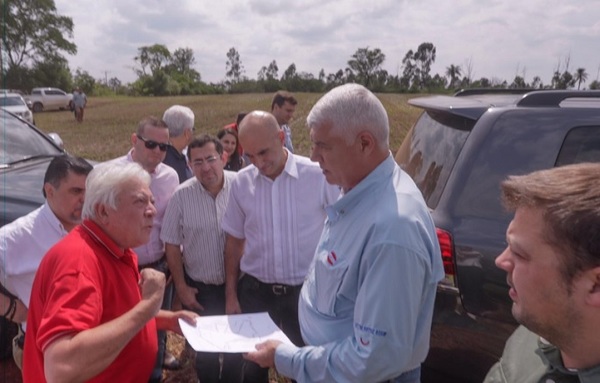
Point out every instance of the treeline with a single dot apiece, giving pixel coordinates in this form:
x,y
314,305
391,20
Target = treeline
x,y
32,55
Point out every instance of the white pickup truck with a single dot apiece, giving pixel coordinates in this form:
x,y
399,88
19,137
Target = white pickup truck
x,y
49,98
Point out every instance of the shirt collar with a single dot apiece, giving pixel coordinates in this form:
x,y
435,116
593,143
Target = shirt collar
x,y
130,159
350,199
290,167
551,355
103,239
53,219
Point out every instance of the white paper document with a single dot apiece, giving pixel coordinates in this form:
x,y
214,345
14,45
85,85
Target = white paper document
x,y
231,333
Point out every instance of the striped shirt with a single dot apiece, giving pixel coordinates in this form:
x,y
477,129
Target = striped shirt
x,y
281,220
193,220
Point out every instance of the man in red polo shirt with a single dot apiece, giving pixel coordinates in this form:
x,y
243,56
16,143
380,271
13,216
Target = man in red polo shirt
x,y
92,315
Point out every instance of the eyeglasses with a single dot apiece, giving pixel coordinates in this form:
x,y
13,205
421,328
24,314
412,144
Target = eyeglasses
x,y
209,160
149,144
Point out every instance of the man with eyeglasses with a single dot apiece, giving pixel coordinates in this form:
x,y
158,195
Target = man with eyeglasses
x,y
195,241
149,147
180,120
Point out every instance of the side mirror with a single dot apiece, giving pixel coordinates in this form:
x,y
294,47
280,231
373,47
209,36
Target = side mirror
x,y
57,140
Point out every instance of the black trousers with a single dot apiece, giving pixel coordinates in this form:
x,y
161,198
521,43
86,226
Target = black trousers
x,y
208,365
281,302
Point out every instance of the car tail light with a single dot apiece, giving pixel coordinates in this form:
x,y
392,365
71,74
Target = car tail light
x,y
445,240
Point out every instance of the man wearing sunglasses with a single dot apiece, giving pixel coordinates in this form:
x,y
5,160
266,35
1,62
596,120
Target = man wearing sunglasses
x,y
149,148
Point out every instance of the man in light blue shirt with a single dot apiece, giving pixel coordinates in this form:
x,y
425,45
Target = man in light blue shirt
x,y
366,307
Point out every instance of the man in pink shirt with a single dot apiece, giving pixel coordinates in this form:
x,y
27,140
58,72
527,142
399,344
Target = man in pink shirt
x,y
149,148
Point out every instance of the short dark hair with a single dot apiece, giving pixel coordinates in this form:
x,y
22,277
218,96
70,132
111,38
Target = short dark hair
x,y
281,97
569,197
202,140
239,118
150,121
59,168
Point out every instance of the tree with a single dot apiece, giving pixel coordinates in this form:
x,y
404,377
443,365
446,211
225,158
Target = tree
x,y
580,76
34,39
365,65
424,57
155,57
34,32
234,66
269,73
182,60
454,72
289,73
417,65
83,80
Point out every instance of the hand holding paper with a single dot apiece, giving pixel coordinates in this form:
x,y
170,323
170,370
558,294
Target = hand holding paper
x,y
232,333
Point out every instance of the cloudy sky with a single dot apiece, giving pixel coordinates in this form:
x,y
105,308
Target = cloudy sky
x,y
500,38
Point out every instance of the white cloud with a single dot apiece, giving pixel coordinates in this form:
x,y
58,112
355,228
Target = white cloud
x,y
502,38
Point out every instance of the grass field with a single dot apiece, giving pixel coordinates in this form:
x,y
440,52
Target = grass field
x,y
110,121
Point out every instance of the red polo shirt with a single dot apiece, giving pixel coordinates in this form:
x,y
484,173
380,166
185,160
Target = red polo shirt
x,y
83,281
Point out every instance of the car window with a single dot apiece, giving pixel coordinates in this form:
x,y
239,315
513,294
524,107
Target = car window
x,y
520,142
19,141
11,101
431,148
36,92
582,144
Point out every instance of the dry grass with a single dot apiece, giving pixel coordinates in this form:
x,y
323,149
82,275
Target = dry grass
x,y
110,121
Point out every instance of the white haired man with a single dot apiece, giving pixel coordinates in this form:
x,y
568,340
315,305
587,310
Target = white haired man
x,y
93,316
180,121
366,306
150,143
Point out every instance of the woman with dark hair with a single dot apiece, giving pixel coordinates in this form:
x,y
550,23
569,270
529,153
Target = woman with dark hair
x,y
229,139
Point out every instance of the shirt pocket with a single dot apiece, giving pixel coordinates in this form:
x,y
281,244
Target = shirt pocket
x,y
328,280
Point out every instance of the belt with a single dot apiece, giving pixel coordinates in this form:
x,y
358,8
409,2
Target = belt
x,y
276,289
201,285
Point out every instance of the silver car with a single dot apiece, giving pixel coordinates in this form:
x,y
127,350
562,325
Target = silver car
x,y
14,103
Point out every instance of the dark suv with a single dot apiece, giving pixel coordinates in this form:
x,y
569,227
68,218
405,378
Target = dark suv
x,y
458,152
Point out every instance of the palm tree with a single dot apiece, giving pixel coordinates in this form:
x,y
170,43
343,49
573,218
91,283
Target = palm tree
x,y
454,72
580,76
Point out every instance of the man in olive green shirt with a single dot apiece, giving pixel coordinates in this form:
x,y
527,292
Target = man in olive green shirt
x,y
553,271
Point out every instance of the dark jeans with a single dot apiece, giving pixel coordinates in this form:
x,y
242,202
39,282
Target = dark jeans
x,y
156,376
281,302
208,365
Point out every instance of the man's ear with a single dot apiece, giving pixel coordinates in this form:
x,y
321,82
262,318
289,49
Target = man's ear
x,y
133,139
367,142
49,190
101,213
593,293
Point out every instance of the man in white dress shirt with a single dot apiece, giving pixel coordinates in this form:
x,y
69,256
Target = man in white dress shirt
x,y
273,222
24,241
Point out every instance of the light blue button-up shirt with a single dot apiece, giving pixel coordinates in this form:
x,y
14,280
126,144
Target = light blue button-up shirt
x,y
367,303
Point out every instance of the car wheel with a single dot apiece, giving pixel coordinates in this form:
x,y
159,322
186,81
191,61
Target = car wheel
x,y
38,107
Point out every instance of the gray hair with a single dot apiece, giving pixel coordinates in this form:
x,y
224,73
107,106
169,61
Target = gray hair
x,y
106,181
178,118
351,109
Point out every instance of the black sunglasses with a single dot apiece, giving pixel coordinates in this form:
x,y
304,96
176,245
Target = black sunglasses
x,y
149,144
